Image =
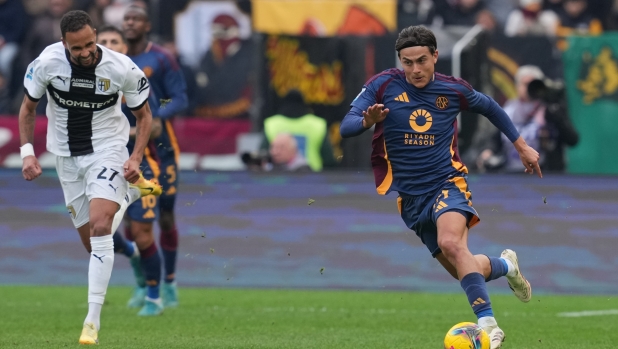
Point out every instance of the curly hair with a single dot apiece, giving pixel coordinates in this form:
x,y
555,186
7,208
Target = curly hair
x,y
74,21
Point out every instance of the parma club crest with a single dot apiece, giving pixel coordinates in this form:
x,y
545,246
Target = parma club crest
x,y
103,84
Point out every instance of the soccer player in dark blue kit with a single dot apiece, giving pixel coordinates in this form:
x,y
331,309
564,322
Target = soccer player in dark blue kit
x,y
168,85
414,112
140,215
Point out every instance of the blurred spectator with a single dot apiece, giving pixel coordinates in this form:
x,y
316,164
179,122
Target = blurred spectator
x,y
13,25
45,30
309,130
96,10
465,13
224,78
552,5
576,20
189,76
531,19
35,7
415,12
113,13
286,155
540,115
501,9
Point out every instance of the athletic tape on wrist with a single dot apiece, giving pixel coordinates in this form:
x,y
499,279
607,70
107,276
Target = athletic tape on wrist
x,y
26,150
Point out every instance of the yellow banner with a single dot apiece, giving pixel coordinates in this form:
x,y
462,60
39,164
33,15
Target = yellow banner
x,y
325,17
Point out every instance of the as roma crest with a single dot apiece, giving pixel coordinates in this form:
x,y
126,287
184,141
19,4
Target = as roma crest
x,y
442,102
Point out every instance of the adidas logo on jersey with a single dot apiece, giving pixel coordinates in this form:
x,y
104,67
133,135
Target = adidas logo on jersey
x,y
402,97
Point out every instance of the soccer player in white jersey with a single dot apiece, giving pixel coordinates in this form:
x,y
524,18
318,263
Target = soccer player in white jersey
x,y
88,134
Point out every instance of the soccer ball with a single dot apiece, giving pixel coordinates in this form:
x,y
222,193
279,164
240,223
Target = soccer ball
x,y
466,335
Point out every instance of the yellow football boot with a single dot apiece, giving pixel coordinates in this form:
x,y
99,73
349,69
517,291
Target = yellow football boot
x,y
90,335
147,187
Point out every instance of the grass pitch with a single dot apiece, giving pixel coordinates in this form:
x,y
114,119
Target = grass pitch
x,y
51,317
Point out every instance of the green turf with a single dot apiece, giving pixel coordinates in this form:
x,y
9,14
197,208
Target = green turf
x,y
51,317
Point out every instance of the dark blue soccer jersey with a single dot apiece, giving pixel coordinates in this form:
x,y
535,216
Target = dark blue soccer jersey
x,y
169,88
415,147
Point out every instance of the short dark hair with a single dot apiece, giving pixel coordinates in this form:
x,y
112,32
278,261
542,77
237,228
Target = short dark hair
x,y
74,21
416,36
108,28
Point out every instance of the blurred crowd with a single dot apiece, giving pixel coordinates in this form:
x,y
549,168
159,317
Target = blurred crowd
x,y
28,26
514,17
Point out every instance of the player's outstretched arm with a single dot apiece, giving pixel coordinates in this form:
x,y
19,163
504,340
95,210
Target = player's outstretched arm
x,y
529,157
31,168
358,121
143,116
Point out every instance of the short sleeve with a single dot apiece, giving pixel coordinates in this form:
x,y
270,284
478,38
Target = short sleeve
x,y
136,88
35,81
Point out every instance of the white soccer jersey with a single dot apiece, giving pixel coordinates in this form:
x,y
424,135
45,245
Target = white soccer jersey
x,y
84,103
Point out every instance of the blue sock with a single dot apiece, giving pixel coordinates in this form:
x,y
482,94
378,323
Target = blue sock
x,y
123,246
476,290
499,268
151,263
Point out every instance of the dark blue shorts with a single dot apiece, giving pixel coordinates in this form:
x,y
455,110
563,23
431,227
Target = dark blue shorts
x,y
169,181
146,209
420,213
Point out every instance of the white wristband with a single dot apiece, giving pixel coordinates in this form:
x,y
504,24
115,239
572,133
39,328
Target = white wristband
x,y
26,150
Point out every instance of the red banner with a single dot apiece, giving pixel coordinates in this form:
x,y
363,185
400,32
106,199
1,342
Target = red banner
x,y
9,136
195,135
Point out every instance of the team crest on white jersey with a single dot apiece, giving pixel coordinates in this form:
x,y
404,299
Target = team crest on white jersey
x,y
103,84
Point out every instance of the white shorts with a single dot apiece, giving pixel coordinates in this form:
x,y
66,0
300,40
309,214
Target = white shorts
x,y
97,175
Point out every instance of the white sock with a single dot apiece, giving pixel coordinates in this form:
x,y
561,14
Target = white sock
x,y
94,314
511,268
99,273
132,195
488,322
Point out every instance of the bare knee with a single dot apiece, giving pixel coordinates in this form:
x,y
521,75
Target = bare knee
x,y
166,220
101,227
142,234
452,248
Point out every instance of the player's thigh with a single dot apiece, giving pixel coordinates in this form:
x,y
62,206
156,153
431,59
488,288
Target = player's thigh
x,y
73,182
415,212
102,213
453,213
455,196
105,176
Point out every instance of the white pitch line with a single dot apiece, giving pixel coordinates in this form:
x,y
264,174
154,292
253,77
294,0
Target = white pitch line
x,y
589,313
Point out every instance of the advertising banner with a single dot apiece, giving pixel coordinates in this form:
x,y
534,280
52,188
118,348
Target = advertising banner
x,y
591,76
325,17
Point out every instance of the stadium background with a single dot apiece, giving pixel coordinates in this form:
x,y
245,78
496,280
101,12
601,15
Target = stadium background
x,y
242,229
